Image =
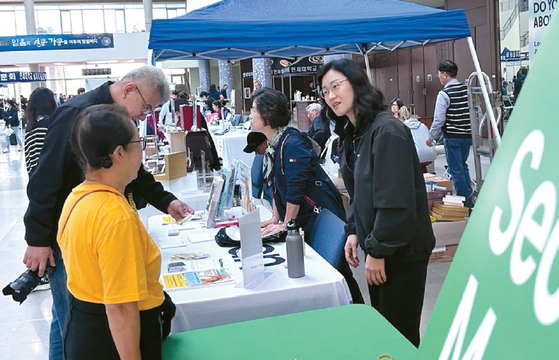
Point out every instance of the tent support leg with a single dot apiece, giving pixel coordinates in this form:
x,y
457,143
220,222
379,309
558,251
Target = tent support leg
x,y
484,91
366,57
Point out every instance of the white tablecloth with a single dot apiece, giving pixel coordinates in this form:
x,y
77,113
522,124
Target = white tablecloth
x,y
321,287
230,146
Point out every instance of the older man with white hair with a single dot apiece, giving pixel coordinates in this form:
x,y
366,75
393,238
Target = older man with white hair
x,y
319,129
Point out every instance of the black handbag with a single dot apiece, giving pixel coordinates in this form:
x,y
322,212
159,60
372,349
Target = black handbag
x,y
224,240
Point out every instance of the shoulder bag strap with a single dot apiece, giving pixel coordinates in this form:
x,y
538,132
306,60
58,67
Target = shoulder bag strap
x,y
76,203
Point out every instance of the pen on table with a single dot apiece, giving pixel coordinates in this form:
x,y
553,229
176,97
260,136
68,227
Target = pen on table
x,y
221,262
226,224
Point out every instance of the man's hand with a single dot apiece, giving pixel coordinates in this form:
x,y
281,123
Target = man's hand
x,y
429,142
178,209
271,221
374,270
350,250
36,257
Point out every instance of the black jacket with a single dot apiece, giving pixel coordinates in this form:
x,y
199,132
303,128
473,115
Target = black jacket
x,y
389,211
58,172
11,117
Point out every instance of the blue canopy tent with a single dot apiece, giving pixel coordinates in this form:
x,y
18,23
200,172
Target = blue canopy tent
x,y
240,29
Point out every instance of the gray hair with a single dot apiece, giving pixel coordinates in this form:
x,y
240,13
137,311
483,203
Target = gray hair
x,y
315,107
153,77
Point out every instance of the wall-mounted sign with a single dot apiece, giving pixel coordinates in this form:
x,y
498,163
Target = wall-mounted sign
x,y
22,76
96,71
56,42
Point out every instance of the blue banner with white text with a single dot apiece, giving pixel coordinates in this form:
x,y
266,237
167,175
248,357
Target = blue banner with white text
x,y
22,76
56,42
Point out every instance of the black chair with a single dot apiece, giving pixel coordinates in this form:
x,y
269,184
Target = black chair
x,y
328,237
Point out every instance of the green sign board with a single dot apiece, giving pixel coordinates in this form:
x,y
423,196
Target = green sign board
x,y
500,299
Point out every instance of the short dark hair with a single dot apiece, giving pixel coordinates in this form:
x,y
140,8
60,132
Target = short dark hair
x,y
41,103
97,132
217,103
367,101
398,101
81,91
449,67
272,106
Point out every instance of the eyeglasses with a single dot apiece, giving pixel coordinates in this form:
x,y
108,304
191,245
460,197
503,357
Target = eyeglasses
x,y
147,110
334,88
142,142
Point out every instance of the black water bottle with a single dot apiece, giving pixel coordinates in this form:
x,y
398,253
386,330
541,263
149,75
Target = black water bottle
x,y
295,254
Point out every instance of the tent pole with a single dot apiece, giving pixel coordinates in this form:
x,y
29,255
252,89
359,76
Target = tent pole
x,y
366,57
484,91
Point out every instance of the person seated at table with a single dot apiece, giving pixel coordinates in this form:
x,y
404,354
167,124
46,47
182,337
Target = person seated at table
x,y
112,263
257,143
319,129
216,109
300,186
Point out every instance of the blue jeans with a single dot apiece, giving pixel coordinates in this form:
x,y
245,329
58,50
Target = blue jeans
x,y
16,130
60,304
457,151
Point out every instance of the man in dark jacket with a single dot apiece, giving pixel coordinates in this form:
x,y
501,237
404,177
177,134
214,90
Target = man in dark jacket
x,y
140,91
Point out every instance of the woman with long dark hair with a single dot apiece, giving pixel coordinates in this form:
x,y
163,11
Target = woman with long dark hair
x,y
389,213
40,107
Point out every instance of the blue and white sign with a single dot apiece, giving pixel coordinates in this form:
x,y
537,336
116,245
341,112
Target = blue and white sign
x,y
22,76
56,42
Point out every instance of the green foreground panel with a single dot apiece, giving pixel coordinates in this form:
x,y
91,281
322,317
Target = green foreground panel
x,y
344,332
500,299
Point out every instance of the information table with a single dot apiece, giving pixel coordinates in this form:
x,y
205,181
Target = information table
x,y
230,146
217,304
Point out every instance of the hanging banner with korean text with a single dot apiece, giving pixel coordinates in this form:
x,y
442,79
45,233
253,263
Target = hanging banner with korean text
x,y
22,76
56,42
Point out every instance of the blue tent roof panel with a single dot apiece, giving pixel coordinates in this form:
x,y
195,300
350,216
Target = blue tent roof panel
x,y
236,29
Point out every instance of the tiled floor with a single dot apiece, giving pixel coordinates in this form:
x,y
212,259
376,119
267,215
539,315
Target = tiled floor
x,y
24,328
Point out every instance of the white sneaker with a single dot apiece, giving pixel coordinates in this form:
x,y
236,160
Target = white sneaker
x,y
5,150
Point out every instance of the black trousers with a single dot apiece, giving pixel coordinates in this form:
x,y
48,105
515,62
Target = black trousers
x,y
88,336
400,298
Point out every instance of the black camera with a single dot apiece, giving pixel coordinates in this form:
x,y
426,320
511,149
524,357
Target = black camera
x,y
25,283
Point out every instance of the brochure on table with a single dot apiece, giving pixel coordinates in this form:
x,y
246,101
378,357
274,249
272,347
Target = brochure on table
x,y
252,258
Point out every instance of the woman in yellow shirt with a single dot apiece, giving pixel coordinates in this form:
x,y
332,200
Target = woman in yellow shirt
x,y
113,264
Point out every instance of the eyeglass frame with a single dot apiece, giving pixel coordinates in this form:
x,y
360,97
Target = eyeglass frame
x,y
335,88
142,141
148,109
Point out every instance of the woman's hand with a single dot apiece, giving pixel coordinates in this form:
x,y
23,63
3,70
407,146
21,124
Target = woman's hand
x,y
374,270
272,221
350,249
272,229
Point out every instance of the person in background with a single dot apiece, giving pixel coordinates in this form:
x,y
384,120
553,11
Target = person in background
x,y
319,130
216,109
389,215
214,92
40,107
113,264
419,132
224,92
168,110
291,166
81,91
257,143
140,91
452,121
11,121
257,86
395,106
